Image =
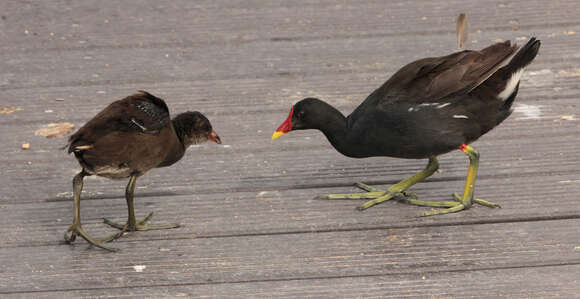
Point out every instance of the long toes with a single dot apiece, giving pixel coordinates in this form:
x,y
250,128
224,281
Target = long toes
x,y
157,226
98,244
111,237
409,194
482,202
361,208
354,196
78,231
366,187
404,195
434,212
113,224
144,220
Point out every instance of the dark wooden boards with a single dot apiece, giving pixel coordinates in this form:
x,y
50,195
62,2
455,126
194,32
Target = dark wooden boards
x,y
355,253
497,283
251,228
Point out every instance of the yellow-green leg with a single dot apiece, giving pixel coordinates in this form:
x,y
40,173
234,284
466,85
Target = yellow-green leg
x,y
398,191
466,201
132,224
76,228
395,191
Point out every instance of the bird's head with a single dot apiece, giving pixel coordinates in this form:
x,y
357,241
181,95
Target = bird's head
x,y
194,127
303,115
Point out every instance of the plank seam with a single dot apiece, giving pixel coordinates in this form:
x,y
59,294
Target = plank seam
x,y
562,264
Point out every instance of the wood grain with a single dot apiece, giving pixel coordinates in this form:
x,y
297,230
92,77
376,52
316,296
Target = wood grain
x,y
251,227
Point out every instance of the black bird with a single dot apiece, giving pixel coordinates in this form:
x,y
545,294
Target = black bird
x,y
427,108
125,140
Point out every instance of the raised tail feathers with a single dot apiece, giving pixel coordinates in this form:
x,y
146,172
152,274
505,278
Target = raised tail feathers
x,y
511,73
523,57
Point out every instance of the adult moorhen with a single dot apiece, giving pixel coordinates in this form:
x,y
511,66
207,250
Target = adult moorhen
x,y
427,108
125,140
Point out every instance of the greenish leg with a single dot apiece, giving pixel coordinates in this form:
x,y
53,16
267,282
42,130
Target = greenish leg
x,y
398,190
482,202
132,224
395,191
467,200
372,192
76,228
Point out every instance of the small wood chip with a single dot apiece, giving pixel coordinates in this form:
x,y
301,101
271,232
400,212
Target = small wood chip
x,y
55,130
564,73
25,146
462,30
59,99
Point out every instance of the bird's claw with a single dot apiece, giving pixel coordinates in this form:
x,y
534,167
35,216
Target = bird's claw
x,y
76,230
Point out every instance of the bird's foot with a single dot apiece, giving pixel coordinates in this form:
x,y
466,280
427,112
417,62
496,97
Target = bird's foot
x,y
138,226
371,193
451,206
448,206
376,195
77,230
458,207
482,202
388,195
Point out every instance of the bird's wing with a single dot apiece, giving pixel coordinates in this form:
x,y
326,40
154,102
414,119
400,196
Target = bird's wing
x,y
141,112
430,79
149,112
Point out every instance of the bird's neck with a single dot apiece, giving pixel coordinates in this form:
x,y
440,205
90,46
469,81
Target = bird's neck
x,y
333,124
180,131
176,148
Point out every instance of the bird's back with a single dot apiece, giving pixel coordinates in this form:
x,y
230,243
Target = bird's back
x,y
433,105
131,135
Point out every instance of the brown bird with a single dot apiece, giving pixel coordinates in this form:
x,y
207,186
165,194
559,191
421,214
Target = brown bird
x,y
125,140
429,107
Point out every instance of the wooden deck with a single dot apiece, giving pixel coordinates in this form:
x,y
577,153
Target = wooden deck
x,y
251,227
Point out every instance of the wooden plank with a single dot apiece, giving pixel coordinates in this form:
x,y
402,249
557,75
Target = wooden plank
x,y
289,60
288,211
149,23
212,169
250,226
292,256
519,146
544,282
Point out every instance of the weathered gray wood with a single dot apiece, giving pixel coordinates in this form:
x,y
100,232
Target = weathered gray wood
x,y
288,211
549,282
250,226
513,149
267,257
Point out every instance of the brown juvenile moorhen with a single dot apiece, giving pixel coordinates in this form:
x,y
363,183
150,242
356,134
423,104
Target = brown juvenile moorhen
x,y
125,140
428,108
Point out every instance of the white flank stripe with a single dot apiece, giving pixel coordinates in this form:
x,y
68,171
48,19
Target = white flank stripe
x,y
460,116
138,124
428,104
443,105
511,85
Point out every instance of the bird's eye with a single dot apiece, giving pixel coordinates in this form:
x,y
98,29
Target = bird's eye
x,y
300,114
